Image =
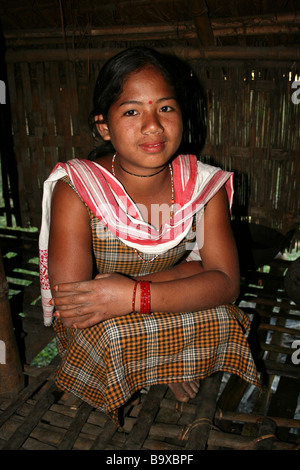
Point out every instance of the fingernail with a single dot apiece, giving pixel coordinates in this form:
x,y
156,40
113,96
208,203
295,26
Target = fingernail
x,y
55,288
51,302
56,314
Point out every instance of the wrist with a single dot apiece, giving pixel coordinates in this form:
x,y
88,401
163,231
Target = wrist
x,y
141,297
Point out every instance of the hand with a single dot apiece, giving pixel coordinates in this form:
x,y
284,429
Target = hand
x,y
86,303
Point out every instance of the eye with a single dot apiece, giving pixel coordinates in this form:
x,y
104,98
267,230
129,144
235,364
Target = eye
x,y
166,109
130,112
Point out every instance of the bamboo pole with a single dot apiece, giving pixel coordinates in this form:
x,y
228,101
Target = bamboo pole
x,y
225,415
204,416
11,375
288,23
202,24
186,53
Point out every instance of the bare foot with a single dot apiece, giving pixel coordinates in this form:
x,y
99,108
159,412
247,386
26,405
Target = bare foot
x,y
185,390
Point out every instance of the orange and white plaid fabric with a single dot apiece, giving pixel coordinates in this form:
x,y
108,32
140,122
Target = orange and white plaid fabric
x,y
106,364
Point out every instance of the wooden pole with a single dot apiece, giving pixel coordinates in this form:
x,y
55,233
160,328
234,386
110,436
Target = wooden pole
x,y
220,27
187,53
202,24
11,374
205,412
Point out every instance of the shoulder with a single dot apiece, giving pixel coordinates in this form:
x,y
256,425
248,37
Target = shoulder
x,y
68,211
191,164
65,197
63,188
65,182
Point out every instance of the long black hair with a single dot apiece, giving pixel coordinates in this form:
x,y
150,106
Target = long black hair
x,y
109,84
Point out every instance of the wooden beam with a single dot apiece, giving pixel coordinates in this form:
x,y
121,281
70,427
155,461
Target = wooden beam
x,y
100,35
105,31
292,18
258,30
202,23
243,26
186,53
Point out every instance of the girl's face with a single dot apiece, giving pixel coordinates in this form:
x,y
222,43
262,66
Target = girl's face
x,y
145,123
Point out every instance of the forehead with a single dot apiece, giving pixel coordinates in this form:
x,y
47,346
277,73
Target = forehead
x,y
145,80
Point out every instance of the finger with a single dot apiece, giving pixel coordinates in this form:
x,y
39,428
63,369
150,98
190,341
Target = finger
x,y
78,311
82,286
86,323
79,286
77,321
71,300
102,276
68,321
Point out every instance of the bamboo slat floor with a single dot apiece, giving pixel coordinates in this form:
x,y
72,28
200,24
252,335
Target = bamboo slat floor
x,y
226,414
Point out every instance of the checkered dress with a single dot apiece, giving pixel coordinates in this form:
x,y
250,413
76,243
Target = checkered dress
x,y
106,363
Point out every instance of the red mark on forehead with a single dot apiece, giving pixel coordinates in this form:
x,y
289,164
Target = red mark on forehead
x,y
150,102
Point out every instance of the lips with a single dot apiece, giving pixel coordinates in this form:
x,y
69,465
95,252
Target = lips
x,y
153,147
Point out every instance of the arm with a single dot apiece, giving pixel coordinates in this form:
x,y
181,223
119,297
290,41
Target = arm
x,y
70,251
218,283
71,264
69,247
180,271
215,283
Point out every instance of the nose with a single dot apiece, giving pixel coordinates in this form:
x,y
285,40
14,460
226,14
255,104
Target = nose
x,y
152,124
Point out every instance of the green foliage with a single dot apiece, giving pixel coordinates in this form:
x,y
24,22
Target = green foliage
x,y
45,356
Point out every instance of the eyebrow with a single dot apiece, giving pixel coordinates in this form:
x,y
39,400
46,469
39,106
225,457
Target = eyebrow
x,y
140,102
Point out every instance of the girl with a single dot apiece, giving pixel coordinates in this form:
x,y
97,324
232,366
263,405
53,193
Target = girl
x,y
135,211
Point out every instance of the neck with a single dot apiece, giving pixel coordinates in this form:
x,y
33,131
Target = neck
x,y
142,176
156,188
134,174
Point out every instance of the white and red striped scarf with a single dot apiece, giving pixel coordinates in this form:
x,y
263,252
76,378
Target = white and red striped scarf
x,y
195,183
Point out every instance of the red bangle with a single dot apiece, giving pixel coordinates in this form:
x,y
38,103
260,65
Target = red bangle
x,y
145,302
133,297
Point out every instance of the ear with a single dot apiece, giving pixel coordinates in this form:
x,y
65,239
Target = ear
x,y
102,127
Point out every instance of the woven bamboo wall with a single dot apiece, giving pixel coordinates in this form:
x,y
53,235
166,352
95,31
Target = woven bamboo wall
x,y
50,103
252,129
